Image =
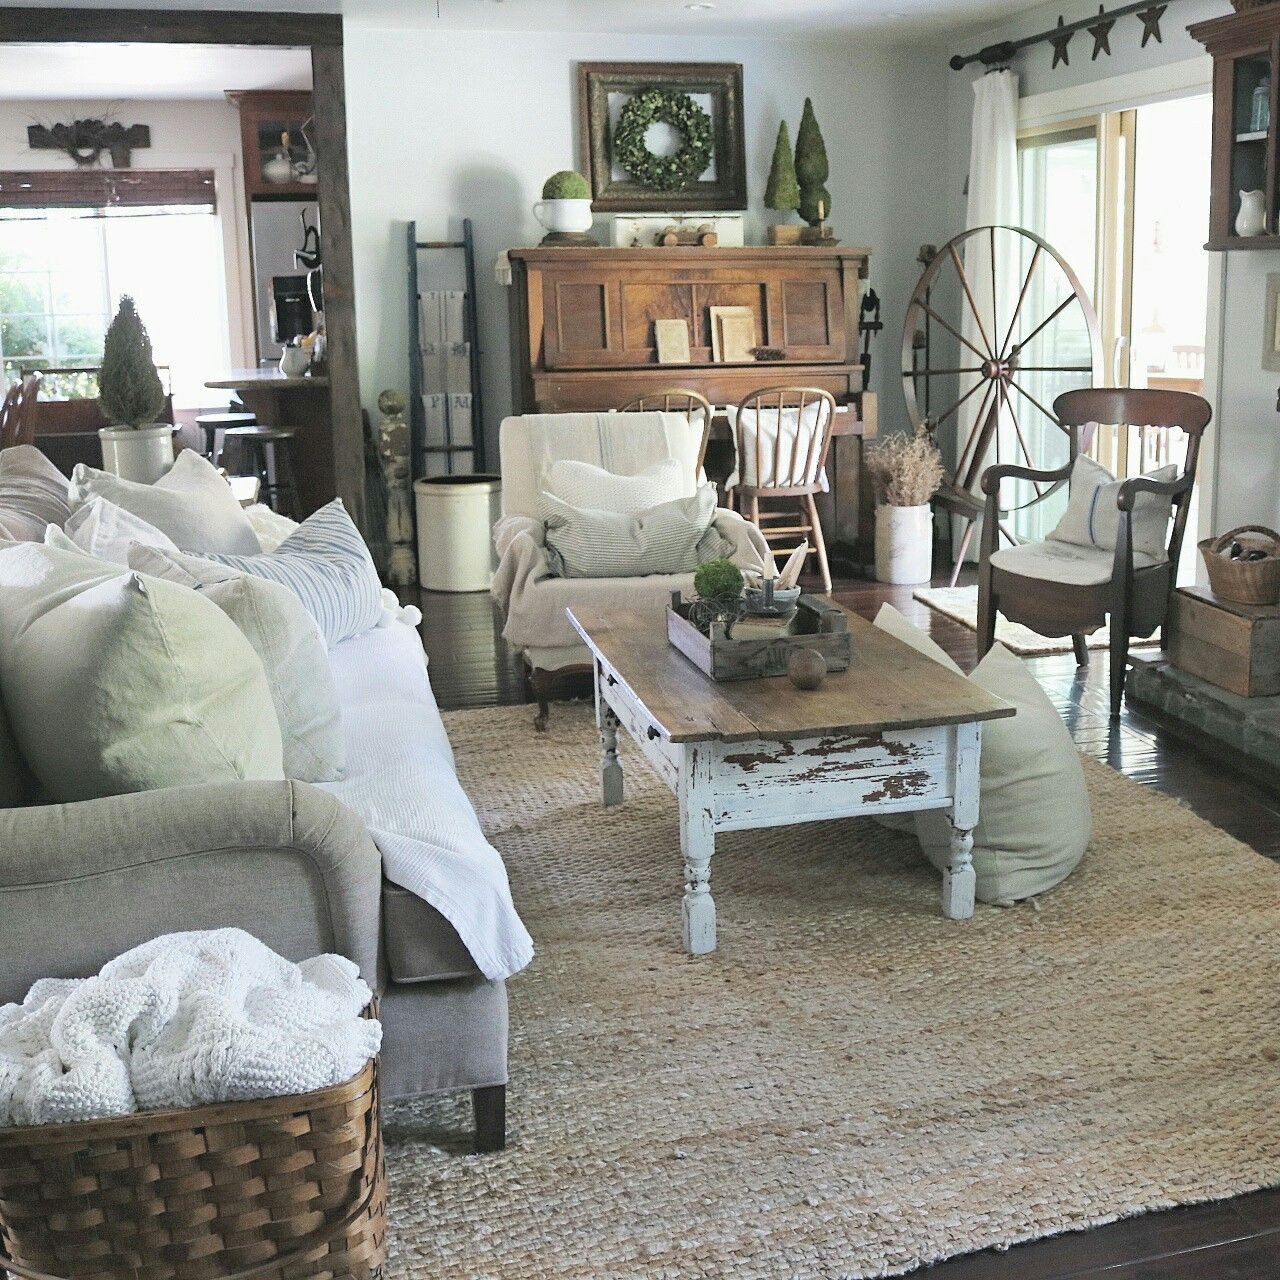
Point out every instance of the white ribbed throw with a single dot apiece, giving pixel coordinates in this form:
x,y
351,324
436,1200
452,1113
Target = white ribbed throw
x,y
184,1020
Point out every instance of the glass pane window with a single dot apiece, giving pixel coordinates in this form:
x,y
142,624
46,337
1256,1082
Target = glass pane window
x,y
62,272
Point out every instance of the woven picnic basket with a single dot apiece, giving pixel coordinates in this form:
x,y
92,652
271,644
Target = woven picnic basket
x,y
278,1189
1244,581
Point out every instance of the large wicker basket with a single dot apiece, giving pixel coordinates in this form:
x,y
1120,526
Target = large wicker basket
x,y
1244,581
283,1188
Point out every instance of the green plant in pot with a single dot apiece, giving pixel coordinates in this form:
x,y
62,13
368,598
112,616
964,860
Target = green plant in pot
x,y
565,207
719,586
136,445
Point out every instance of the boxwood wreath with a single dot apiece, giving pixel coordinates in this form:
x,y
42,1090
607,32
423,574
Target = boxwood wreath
x,y
664,173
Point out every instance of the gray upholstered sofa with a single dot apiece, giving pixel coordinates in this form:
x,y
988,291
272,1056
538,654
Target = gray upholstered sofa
x,y
80,883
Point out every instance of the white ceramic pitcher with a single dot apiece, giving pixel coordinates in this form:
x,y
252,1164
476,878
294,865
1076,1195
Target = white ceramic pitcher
x,y
1252,218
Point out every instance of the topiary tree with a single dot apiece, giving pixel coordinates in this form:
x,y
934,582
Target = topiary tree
x,y
129,388
782,191
566,185
812,168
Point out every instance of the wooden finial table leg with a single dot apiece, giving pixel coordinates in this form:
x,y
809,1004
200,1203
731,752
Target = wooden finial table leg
x,y
959,880
697,844
610,764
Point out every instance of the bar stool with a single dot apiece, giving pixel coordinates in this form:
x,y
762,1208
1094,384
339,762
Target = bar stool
x,y
273,467
215,425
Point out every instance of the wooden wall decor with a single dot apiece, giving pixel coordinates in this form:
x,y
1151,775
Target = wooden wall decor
x,y
600,87
85,140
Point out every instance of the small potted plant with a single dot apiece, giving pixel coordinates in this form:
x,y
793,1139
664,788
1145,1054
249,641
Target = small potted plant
x,y
719,586
565,207
136,445
906,471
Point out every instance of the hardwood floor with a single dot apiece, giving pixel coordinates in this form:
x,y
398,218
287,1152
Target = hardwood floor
x,y
1232,1240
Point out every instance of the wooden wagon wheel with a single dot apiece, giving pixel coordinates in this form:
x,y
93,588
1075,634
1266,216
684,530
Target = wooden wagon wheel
x,y
995,356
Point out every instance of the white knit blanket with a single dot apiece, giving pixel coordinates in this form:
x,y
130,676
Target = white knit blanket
x,y
184,1020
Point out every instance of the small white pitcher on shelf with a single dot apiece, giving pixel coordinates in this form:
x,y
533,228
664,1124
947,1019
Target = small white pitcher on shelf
x,y
1252,218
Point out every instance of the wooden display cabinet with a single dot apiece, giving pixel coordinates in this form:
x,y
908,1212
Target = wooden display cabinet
x,y
1246,61
264,118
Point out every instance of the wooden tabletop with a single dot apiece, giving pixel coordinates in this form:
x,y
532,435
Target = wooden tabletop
x,y
263,380
888,686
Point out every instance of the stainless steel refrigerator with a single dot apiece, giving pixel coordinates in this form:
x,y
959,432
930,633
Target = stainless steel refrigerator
x,y
276,232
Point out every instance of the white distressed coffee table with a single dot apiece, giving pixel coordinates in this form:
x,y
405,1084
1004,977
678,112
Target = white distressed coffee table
x,y
895,733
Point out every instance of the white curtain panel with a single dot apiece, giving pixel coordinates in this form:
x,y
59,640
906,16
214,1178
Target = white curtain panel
x,y
994,201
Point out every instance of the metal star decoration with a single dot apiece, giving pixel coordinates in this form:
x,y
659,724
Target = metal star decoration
x,y
1151,23
1101,33
1060,39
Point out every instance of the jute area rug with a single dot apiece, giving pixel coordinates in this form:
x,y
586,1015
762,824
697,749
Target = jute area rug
x,y
960,604
851,1085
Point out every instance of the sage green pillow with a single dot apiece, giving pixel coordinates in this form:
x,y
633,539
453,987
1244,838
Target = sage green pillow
x,y
115,682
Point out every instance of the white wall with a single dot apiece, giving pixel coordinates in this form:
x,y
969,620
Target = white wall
x,y
201,134
444,125
1243,471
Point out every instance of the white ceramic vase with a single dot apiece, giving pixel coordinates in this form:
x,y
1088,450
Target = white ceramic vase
x,y
1252,218
143,454
564,215
904,544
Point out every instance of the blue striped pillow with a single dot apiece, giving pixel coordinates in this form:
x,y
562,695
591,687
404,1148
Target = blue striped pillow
x,y
324,562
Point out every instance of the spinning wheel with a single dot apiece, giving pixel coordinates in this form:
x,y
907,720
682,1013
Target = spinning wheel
x,y
1021,331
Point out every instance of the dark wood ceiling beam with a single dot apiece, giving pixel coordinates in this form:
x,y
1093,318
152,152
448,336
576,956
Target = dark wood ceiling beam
x,y
167,26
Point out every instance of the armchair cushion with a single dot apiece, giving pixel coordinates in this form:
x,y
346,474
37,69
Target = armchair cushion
x,y
674,537
1092,518
622,443
1065,562
580,484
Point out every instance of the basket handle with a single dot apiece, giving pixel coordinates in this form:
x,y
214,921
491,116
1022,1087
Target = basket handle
x,y
263,1268
1225,539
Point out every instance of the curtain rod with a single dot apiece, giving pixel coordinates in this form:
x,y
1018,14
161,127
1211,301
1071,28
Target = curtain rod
x,y
996,55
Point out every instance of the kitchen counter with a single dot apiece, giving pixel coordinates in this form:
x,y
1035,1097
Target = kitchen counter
x,y
266,379
301,404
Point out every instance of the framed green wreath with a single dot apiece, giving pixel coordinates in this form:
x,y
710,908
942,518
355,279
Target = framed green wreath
x,y
688,163
701,101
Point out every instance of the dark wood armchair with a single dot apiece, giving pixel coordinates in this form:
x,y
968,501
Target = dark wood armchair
x,y
1099,585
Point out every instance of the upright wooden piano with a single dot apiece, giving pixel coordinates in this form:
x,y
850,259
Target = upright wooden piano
x,y
582,330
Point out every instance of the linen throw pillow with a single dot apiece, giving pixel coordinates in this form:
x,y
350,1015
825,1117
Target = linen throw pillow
x,y
191,504
1034,820
115,682
292,652
324,562
33,494
675,537
105,531
16,782
1092,518
592,488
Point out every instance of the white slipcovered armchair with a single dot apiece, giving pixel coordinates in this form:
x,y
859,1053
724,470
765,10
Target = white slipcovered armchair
x,y
533,600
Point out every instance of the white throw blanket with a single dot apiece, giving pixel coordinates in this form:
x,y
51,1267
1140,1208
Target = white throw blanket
x,y
400,781
185,1020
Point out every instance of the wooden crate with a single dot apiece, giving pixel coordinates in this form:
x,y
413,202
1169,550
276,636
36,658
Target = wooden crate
x,y
816,624
1233,646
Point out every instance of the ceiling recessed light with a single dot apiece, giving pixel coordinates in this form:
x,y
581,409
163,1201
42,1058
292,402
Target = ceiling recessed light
x,y
703,4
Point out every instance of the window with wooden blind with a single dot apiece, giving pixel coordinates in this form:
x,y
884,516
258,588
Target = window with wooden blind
x,y
73,240
107,188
